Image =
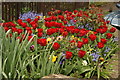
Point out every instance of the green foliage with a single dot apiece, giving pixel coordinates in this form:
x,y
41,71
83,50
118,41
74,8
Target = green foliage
x,y
20,62
25,10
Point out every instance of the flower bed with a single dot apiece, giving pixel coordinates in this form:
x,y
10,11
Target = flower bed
x,y
78,44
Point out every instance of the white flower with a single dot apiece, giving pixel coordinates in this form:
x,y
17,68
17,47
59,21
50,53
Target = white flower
x,y
84,63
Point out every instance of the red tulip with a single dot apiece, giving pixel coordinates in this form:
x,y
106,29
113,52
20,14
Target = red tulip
x,y
23,25
30,32
95,33
108,35
40,34
48,24
51,31
85,40
103,30
82,33
19,31
81,53
49,13
70,13
40,30
75,11
72,16
103,40
14,29
79,15
12,24
92,37
58,11
48,19
107,22
56,46
61,30
54,18
28,20
65,22
100,45
66,12
27,28
69,18
112,29
34,26
36,20
58,25
6,28
29,37
32,22
18,37
68,55
65,33
42,42
19,20
79,44
76,30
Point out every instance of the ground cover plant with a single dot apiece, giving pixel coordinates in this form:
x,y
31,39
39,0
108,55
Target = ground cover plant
x,y
78,44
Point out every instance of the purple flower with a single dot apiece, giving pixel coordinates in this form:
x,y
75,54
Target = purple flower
x,y
78,49
104,54
94,59
95,56
32,48
107,49
115,39
62,60
72,22
30,15
69,25
90,28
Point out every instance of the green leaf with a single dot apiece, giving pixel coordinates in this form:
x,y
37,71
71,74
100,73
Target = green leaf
x,y
69,68
83,69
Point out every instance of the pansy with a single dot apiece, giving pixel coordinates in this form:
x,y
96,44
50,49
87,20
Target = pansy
x,y
54,58
59,38
49,40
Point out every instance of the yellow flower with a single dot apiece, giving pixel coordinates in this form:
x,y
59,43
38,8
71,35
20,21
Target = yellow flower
x,y
91,49
78,38
54,58
44,17
49,40
72,36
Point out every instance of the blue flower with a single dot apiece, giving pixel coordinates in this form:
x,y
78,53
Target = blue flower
x,y
72,22
95,56
30,15
61,61
107,49
90,28
104,54
115,39
80,27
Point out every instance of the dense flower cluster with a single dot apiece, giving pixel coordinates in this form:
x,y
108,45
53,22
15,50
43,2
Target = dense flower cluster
x,y
29,15
77,34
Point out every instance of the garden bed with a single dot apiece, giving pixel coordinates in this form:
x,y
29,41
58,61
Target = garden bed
x,y
79,44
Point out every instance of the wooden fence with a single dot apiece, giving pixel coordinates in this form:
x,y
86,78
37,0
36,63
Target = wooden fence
x,y
11,10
